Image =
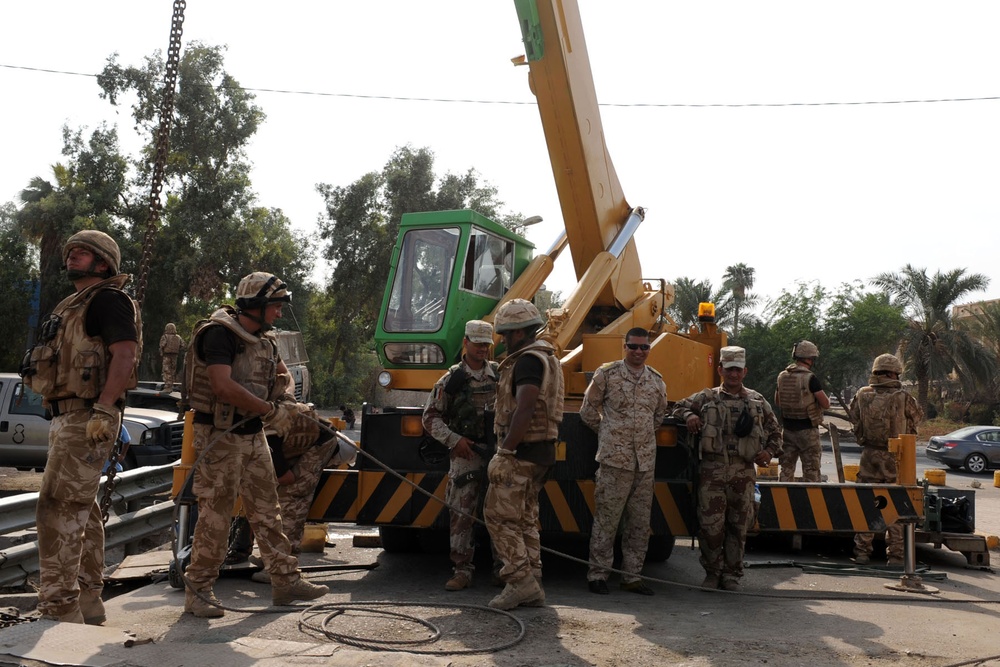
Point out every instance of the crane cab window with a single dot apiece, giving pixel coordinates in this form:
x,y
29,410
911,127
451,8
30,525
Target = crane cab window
x,y
488,263
423,276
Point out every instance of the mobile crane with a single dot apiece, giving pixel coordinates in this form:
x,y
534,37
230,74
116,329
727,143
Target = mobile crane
x,y
453,266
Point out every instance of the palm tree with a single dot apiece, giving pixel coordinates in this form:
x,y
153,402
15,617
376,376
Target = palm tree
x,y
688,294
738,279
932,348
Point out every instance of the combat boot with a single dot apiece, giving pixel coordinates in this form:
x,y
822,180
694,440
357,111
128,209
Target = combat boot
x,y
525,591
72,616
731,585
300,590
92,608
459,581
711,582
200,608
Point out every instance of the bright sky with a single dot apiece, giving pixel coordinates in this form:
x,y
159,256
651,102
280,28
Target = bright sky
x,y
827,193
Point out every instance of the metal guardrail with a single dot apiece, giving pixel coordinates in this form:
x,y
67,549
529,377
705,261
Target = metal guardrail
x,y
18,513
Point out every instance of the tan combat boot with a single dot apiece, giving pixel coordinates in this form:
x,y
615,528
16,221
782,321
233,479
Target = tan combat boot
x,y
92,608
300,590
193,604
72,616
525,591
459,581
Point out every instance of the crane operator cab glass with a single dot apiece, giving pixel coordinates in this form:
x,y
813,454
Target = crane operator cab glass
x,y
448,267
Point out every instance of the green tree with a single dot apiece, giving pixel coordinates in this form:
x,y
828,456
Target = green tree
x,y
213,232
20,278
357,235
932,348
688,295
739,279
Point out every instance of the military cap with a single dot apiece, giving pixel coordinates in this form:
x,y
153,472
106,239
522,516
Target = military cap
x,y
733,357
479,331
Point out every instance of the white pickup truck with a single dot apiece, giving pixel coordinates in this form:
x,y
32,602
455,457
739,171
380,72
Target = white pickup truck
x,y
24,430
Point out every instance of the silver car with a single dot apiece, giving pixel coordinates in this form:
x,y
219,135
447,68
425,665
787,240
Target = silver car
x,y
976,448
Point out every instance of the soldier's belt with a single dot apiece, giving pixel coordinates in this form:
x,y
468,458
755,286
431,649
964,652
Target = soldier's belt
x,y
733,456
68,405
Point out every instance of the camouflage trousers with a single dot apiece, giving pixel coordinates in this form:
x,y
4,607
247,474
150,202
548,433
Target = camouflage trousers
x,y
169,371
725,508
230,465
466,479
879,466
803,445
511,514
296,498
621,497
68,518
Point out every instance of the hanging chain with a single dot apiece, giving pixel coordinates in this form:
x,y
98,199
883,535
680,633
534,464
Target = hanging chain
x,y
162,144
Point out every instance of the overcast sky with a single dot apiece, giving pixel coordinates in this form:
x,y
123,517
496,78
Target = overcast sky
x,y
824,192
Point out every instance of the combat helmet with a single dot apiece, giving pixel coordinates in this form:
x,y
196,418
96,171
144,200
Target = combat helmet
x,y
99,243
170,328
805,350
887,362
260,288
516,314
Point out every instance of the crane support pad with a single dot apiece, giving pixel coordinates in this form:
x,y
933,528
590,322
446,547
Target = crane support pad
x,y
833,508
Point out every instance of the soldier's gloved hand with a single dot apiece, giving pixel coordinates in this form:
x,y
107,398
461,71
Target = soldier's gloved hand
x,y
102,429
279,417
502,468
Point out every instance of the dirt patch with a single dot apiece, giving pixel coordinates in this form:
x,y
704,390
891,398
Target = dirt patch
x,y
13,481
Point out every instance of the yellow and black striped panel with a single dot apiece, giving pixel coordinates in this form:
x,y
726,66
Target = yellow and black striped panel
x,y
832,508
378,498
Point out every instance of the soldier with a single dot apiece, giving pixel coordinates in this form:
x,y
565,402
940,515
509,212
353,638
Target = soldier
x,y
880,411
87,356
455,417
802,400
170,347
236,383
529,410
738,429
625,403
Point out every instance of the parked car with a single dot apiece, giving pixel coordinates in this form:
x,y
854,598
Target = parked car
x,y
151,395
24,430
976,448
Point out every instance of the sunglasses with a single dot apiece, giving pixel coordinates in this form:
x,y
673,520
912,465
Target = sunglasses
x,y
637,346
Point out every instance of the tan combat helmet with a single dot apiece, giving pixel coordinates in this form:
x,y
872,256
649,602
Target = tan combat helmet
x,y
258,289
887,362
99,243
170,328
516,314
805,350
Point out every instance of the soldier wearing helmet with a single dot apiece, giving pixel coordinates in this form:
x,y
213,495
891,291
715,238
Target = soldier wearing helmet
x,y
880,411
529,409
455,416
170,347
802,400
86,358
236,384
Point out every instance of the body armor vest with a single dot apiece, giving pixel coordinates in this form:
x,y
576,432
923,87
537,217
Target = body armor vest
x,y
719,417
170,344
549,406
882,416
794,397
254,368
465,413
66,362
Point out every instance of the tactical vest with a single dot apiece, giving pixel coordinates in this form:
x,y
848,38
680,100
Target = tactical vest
x,y
254,368
303,435
466,407
170,343
794,397
66,362
882,415
549,405
719,415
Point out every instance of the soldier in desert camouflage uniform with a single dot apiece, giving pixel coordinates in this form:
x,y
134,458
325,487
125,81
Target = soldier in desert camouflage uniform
x,y
87,356
738,429
170,347
880,411
529,410
625,403
232,373
802,400
455,417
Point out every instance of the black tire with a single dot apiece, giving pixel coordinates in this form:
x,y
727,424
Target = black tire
x,y
976,463
396,540
660,547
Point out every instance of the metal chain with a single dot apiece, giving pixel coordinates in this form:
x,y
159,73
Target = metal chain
x,y
162,144
109,485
